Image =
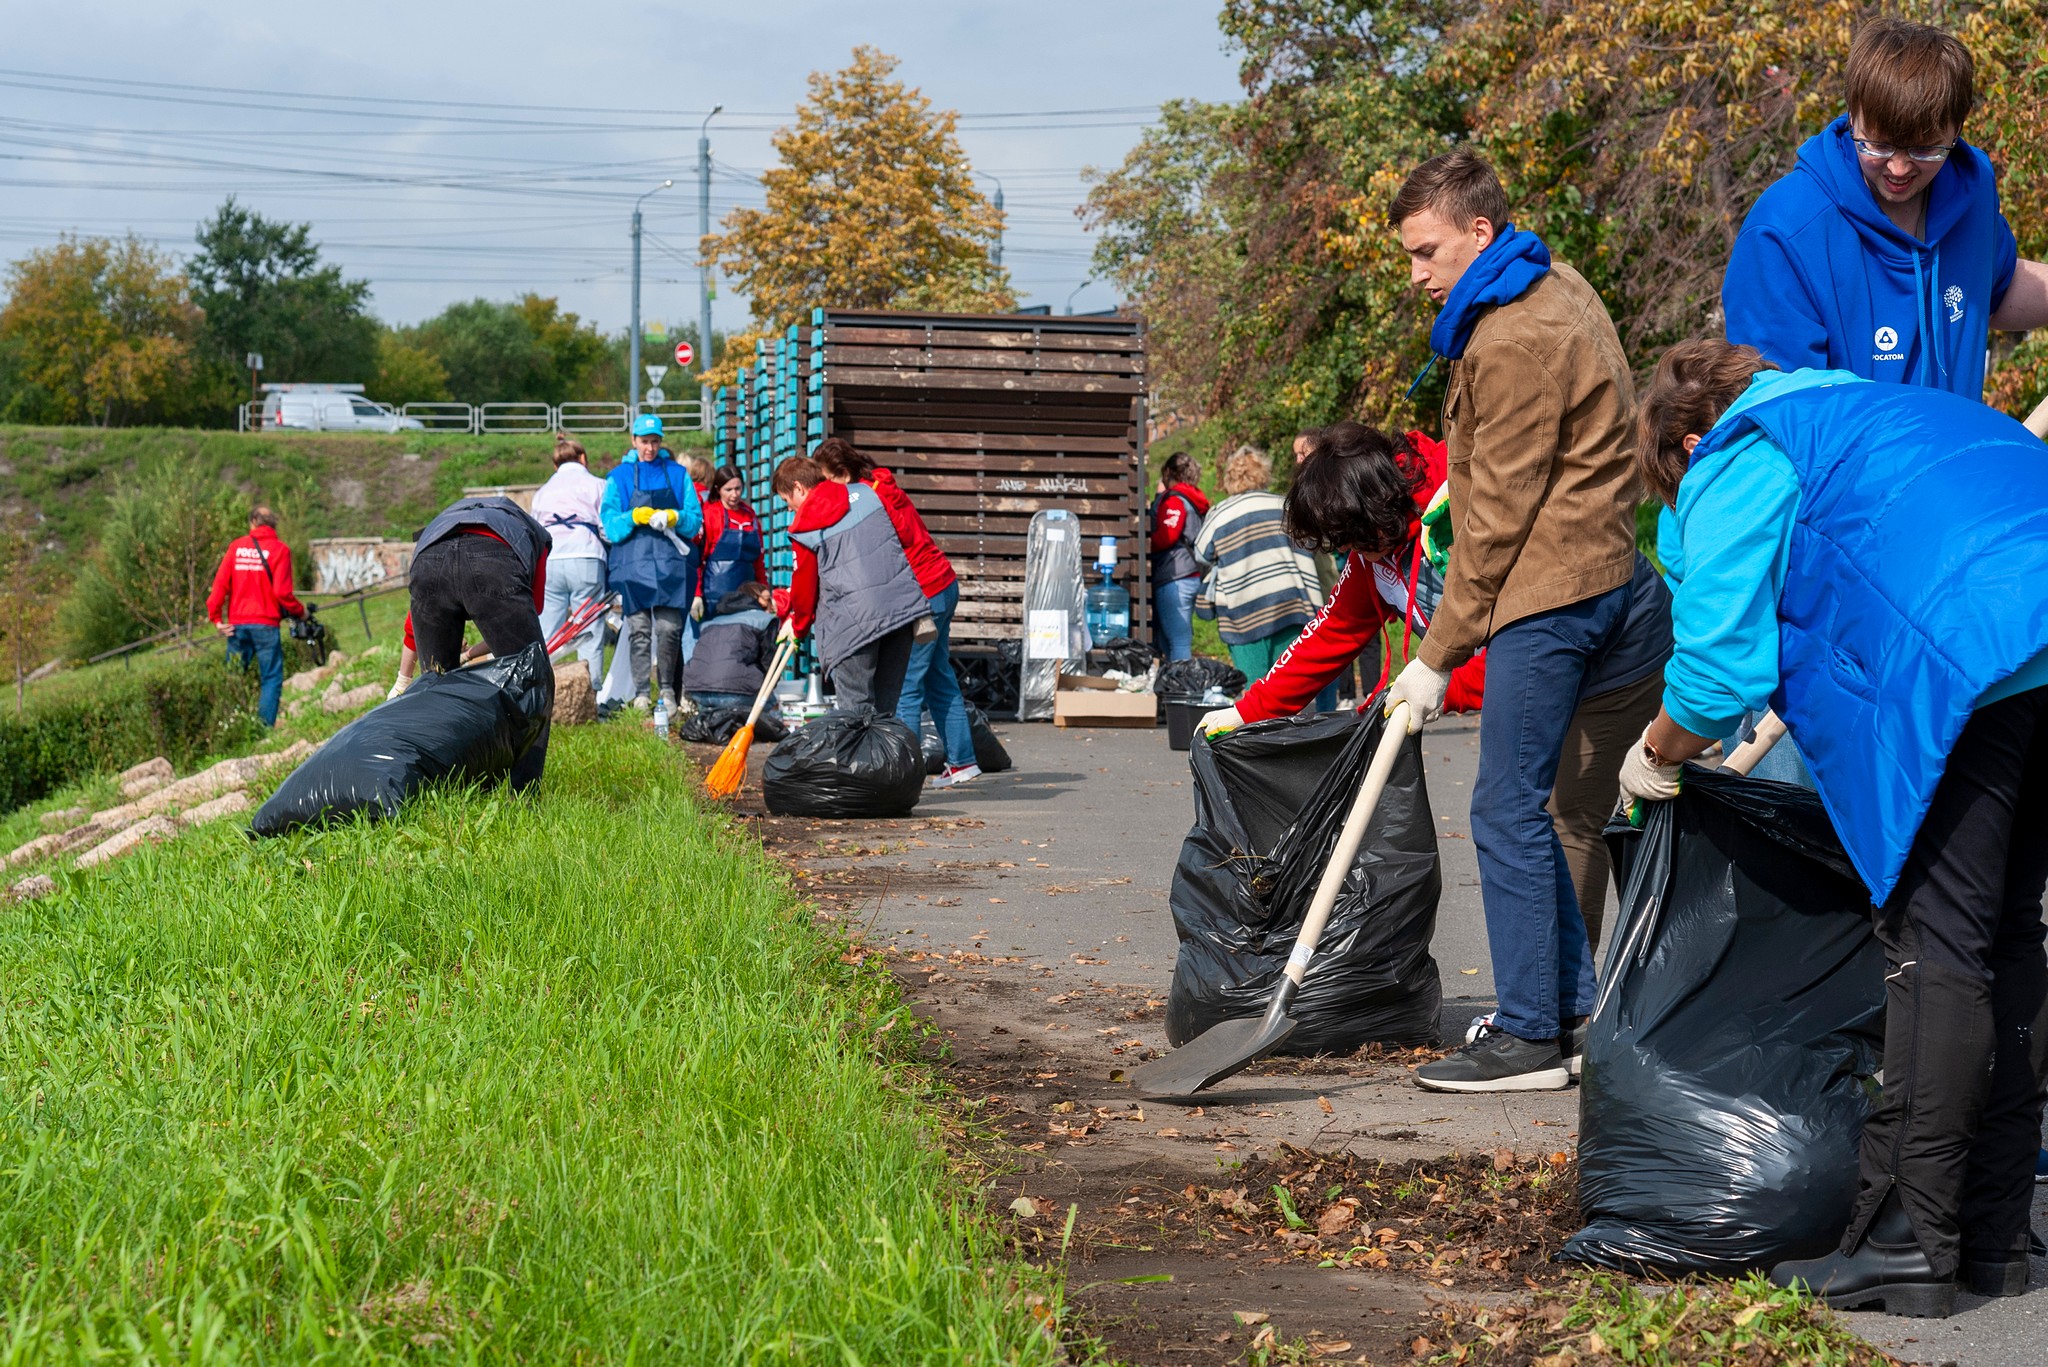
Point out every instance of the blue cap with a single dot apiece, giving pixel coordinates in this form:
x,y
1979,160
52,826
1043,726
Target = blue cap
x,y
647,425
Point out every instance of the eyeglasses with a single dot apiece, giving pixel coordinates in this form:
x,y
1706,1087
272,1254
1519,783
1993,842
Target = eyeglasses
x,y
1884,151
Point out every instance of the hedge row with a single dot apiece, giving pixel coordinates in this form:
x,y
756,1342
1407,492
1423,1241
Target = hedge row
x,y
181,709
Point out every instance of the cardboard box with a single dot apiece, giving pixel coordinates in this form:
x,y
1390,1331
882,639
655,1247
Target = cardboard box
x,y
1084,700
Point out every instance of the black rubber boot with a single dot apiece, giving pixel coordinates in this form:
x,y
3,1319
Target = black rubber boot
x,y
1995,1274
1887,1271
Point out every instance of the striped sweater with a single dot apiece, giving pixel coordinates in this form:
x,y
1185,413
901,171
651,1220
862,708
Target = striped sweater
x,y
1259,583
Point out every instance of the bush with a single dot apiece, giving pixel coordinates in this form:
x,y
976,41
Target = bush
x,y
160,541
181,709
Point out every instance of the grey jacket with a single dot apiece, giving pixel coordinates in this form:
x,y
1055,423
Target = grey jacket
x,y
865,585
505,519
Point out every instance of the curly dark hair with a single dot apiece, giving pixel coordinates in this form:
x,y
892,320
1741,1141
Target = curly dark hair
x,y
1351,493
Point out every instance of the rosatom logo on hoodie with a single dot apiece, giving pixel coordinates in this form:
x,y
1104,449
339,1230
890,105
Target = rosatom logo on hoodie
x,y
1953,297
1887,341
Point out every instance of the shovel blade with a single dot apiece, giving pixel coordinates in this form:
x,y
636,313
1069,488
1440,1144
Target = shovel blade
x,y
1211,1056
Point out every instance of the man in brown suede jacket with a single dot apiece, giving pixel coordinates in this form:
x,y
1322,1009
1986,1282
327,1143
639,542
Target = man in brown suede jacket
x,y
1544,573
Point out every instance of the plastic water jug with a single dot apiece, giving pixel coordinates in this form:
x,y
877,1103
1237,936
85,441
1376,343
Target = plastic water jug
x,y
1109,610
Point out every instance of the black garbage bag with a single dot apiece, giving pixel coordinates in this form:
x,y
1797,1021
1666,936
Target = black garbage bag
x,y
468,725
1270,799
1195,676
988,746
1121,653
1740,1020
850,762
992,680
717,725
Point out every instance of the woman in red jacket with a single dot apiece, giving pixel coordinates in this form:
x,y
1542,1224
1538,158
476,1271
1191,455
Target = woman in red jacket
x,y
1178,508
930,681
733,553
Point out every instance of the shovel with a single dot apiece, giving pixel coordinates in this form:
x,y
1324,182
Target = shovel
x,y
1228,1048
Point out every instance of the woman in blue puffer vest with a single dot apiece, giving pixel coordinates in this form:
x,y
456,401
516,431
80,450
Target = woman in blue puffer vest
x,y
1871,560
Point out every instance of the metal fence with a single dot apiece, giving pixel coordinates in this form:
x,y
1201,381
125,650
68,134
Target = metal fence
x,y
687,415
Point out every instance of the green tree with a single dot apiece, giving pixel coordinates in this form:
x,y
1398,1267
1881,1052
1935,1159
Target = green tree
x,y
872,206
529,349
264,289
160,541
406,372
103,332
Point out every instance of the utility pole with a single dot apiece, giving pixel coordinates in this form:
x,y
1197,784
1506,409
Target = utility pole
x,y
633,342
704,231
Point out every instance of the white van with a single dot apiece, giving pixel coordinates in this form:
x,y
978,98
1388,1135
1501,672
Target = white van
x,y
329,408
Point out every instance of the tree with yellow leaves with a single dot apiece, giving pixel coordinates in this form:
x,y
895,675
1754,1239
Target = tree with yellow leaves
x,y
872,206
102,332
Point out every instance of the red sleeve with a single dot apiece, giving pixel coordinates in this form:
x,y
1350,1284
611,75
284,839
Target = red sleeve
x,y
803,589
714,527
540,581
1468,685
1168,521
1348,623
408,633
217,597
281,581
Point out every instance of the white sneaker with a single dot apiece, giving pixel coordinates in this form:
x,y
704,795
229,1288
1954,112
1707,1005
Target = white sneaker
x,y
640,704
955,773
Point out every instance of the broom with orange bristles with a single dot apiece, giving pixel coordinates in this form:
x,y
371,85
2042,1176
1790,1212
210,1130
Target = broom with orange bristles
x,y
731,770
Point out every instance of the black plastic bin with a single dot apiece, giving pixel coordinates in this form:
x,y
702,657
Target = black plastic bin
x,y
1183,712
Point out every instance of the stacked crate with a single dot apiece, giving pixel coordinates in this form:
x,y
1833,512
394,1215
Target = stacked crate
x,y
985,420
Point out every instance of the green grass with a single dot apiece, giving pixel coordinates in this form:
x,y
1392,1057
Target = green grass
x,y
324,483
562,1080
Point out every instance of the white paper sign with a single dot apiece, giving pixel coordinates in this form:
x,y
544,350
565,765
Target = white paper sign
x,y
1045,634
1055,534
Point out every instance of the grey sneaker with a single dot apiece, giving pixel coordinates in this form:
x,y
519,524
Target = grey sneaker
x,y
1574,1041
1498,1062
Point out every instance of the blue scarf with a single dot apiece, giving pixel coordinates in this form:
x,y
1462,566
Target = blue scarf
x,y
1511,263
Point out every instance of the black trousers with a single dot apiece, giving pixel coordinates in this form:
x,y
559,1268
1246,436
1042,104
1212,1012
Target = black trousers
x,y
1966,1012
476,579
873,675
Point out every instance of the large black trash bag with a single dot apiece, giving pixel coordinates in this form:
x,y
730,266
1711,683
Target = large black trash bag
x,y
989,753
469,725
851,762
1121,653
988,746
1740,1020
1196,675
1270,799
717,725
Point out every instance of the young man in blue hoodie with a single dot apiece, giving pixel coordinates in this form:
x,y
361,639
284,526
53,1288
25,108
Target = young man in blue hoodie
x,y
1883,252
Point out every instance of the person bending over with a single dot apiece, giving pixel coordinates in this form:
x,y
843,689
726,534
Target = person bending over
x,y
929,682
853,585
1902,633
483,560
734,649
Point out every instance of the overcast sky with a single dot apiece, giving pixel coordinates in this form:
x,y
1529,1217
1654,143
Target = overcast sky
x,y
142,115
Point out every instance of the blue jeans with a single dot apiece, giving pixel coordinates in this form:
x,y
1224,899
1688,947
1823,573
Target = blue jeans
x,y
1542,965
930,682
1174,603
571,584
260,645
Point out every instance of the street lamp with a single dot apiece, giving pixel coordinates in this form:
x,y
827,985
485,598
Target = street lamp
x,y
633,365
1076,290
704,231
995,255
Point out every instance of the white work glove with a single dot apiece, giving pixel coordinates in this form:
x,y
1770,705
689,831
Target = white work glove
x,y
397,687
663,518
1423,689
788,632
1644,780
696,609
1221,720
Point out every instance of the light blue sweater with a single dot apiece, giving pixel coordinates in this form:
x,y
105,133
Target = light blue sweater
x,y
1725,549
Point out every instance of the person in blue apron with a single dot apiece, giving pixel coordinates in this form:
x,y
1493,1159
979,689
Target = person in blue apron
x,y
652,518
733,547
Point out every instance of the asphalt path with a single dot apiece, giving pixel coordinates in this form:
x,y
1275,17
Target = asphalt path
x,y
1068,874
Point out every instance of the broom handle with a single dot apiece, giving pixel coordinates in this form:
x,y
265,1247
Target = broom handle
x,y
1769,731
2037,421
1348,841
783,650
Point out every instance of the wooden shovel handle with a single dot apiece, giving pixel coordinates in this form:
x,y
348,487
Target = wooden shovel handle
x,y
1769,732
2037,421
1348,841
783,650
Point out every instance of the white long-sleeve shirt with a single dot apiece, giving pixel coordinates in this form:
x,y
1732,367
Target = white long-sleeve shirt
x,y
567,505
